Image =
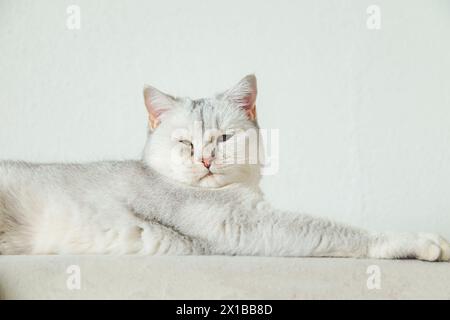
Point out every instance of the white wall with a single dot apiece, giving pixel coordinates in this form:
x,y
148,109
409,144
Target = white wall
x,y
364,115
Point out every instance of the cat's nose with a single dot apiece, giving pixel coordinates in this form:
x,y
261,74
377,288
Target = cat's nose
x,y
207,162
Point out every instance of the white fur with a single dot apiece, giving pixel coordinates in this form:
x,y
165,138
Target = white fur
x,y
169,203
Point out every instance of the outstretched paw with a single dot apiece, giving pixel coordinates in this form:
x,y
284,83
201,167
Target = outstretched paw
x,y
422,246
432,247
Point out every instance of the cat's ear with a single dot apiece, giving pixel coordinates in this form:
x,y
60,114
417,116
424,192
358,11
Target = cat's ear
x,y
157,103
243,94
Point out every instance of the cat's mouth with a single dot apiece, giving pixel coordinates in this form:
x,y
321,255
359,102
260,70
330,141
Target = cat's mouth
x,y
209,174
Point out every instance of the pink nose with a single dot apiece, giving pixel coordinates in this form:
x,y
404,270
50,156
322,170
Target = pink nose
x,y
207,162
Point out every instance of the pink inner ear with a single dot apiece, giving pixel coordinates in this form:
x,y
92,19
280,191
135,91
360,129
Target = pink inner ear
x,y
154,117
153,112
248,103
156,113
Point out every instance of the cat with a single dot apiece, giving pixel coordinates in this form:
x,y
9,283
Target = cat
x,y
186,196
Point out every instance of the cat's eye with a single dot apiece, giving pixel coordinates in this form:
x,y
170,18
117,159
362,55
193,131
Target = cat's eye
x,y
224,137
187,142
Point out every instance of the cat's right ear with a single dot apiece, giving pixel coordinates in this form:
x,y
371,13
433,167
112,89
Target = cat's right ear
x,y
157,103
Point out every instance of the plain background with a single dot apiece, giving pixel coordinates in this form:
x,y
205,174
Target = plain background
x,y
364,115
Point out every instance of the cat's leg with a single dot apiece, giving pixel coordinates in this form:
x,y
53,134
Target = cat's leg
x,y
338,240
267,232
14,232
158,239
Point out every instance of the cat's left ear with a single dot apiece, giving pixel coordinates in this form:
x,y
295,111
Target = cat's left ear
x,y
243,94
157,103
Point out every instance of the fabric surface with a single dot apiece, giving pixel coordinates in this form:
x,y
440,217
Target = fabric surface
x,y
219,277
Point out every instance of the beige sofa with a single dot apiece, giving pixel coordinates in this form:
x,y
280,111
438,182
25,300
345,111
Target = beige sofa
x,y
217,277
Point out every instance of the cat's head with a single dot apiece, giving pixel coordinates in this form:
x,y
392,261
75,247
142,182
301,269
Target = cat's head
x,y
210,142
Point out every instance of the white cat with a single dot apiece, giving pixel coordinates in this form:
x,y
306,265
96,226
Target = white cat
x,y
190,194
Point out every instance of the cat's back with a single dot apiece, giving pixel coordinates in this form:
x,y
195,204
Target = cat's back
x,y
118,177
70,175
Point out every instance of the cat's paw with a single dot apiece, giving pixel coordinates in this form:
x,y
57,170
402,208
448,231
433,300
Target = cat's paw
x,y
432,247
422,246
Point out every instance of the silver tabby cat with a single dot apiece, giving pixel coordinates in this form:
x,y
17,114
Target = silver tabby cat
x,y
189,194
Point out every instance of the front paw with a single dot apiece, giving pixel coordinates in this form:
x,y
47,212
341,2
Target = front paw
x,y
432,247
422,246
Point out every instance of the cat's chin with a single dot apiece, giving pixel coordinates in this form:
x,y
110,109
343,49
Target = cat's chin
x,y
209,181
212,181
